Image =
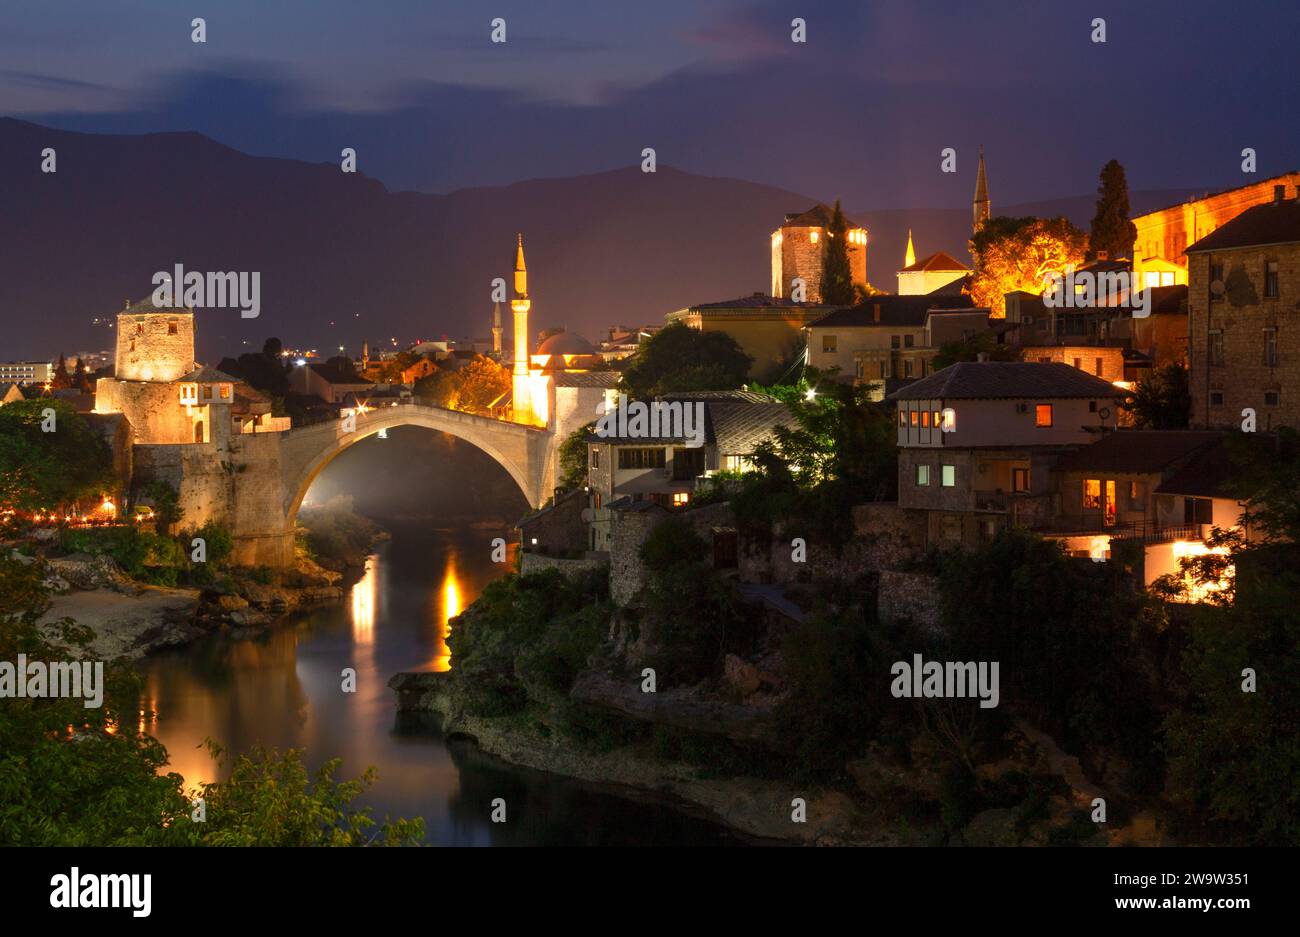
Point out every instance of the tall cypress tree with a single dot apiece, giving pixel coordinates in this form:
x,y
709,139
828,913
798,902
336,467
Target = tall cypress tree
x,y
61,377
1112,231
837,276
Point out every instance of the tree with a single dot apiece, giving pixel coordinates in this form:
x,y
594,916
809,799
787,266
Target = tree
x,y
1163,400
680,359
573,458
346,367
44,471
272,347
475,388
80,377
61,378
837,275
1112,231
1018,254
982,343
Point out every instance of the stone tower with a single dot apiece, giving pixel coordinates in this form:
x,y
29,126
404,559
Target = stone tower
x,y
154,344
980,207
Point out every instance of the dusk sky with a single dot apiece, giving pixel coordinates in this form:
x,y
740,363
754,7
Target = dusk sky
x,y
861,111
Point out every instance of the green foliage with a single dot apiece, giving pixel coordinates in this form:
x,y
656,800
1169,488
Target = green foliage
x,y
165,502
77,776
982,343
150,557
526,638
680,359
837,275
1111,229
42,471
1070,637
842,452
573,458
337,535
1163,400
833,665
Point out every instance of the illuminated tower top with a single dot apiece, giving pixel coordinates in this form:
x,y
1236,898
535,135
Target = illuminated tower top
x,y
521,271
910,257
980,208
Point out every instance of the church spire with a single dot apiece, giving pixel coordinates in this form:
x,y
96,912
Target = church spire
x,y
910,257
980,207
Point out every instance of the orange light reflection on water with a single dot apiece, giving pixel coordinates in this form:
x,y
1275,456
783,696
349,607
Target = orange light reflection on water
x,y
451,605
363,605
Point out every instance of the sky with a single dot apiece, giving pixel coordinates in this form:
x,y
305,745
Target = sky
x,y
860,111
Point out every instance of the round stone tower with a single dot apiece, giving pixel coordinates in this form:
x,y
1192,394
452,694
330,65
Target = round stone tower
x,y
155,345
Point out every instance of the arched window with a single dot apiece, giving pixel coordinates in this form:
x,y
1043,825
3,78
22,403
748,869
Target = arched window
x,y
198,431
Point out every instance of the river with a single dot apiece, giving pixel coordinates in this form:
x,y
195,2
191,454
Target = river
x,y
282,689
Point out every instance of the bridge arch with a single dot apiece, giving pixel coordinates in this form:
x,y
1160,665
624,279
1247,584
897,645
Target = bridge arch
x,y
524,452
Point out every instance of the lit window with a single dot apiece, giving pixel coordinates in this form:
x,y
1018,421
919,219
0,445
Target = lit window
x,y
1020,479
938,419
813,235
949,420
1096,366
925,419
595,458
171,327
680,498
902,419
915,418
225,391
1043,415
1152,279
1092,494
948,476
922,475
828,344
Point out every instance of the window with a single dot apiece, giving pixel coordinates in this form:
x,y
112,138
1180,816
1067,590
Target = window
x,y
1198,511
1135,494
1096,366
907,341
1092,406
1216,276
1020,479
902,419
171,327
914,418
1216,349
1078,363
893,341
925,419
1272,398
1043,415
641,458
858,369
829,344
1270,347
1092,494
938,418
922,476
595,458
950,527
225,391
907,368
948,475
1216,398
132,345
1270,279
949,420
680,498
207,391
139,327
688,463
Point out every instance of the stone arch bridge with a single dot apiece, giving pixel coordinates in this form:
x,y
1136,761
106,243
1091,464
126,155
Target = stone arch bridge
x,y
272,471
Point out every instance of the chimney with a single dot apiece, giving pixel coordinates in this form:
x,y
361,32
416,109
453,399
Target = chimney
x,y
875,312
1279,194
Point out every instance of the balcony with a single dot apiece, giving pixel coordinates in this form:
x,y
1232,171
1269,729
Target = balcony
x,y
1147,533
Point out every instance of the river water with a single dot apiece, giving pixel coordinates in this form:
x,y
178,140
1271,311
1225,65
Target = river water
x,y
283,690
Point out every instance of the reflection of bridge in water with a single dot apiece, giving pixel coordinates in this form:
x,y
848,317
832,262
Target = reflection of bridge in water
x,y
274,470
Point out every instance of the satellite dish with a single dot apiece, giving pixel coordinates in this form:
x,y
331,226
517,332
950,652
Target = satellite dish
x,y
1104,413
1216,287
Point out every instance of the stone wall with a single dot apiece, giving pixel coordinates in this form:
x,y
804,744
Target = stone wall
x,y
530,563
154,346
910,598
1242,316
558,528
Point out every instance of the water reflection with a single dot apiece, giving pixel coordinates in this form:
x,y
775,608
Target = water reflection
x,y
451,606
363,604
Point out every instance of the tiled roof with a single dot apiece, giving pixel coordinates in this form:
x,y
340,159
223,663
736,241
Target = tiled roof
x,y
936,261
141,306
1270,223
893,311
819,216
333,375
744,396
205,375
586,378
1207,474
756,301
735,426
1137,451
1006,379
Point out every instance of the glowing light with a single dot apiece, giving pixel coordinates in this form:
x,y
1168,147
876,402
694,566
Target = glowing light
x,y
810,394
1197,591
300,362
363,605
813,235
452,605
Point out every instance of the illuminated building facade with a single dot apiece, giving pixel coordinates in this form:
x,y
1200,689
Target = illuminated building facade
x,y
797,248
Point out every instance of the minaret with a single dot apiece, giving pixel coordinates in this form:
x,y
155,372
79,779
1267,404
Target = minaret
x,y
519,306
910,257
980,208
496,331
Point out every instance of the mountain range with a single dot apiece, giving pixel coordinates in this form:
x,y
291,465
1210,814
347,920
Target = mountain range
x,y
342,259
